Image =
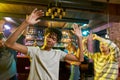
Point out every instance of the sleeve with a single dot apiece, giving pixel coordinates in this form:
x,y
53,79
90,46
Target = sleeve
x,y
117,51
88,54
103,40
62,55
114,50
32,51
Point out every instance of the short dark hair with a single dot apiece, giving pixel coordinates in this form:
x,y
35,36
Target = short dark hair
x,y
54,30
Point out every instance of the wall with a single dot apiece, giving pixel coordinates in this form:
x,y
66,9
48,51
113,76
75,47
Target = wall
x,y
114,33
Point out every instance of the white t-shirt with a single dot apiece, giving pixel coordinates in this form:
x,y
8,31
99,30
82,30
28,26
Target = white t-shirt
x,y
44,64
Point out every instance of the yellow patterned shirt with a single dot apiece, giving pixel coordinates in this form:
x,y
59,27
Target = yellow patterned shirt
x,y
105,66
76,53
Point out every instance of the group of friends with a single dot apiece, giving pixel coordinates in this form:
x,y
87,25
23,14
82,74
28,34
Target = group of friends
x,y
45,61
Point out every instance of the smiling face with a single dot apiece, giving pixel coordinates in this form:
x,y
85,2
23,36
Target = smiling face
x,y
50,40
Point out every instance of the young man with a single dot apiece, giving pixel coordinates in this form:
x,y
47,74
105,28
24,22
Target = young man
x,y
7,61
45,61
7,58
105,61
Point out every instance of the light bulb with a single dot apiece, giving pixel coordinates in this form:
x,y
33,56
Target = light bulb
x,y
55,13
47,14
63,13
60,16
49,10
52,16
58,10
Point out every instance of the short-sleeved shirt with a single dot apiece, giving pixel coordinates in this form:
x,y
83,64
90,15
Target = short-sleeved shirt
x,y
44,64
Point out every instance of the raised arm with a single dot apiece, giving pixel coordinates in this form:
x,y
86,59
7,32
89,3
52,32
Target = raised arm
x,y
86,52
77,31
96,37
78,34
103,40
30,20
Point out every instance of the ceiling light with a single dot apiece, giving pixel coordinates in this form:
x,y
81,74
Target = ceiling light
x,y
85,32
8,19
7,27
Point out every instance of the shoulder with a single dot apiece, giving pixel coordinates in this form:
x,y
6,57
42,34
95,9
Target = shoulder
x,y
33,49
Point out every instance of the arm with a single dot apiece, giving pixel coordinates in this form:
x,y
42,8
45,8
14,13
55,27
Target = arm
x,y
78,34
85,49
109,43
96,37
30,20
114,50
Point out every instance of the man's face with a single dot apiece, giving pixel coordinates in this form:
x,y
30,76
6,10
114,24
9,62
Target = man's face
x,y
104,47
50,40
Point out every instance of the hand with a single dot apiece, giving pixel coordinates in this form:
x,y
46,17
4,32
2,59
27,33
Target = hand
x,y
33,17
77,30
94,36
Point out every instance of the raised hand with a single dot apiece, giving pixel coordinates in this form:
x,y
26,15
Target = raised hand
x,y
94,36
77,30
33,17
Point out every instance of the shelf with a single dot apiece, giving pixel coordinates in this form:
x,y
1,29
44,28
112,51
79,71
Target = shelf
x,y
34,39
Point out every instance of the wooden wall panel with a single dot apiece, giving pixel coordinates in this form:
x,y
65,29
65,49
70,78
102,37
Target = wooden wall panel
x,y
114,33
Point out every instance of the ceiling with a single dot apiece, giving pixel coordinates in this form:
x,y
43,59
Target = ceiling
x,y
92,12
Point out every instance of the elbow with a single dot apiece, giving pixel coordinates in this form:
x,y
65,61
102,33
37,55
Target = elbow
x,y
82,60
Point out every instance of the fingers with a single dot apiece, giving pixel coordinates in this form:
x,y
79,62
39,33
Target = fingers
x,y
37,12
40,13
38,21
33,18
75,26
34,10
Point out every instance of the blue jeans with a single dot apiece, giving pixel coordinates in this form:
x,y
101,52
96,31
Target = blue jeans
x,y
75,73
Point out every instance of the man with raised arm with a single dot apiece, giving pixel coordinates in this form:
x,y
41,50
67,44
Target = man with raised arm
x,y
44,60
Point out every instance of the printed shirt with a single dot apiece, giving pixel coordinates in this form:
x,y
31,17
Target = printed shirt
x,y
76,53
